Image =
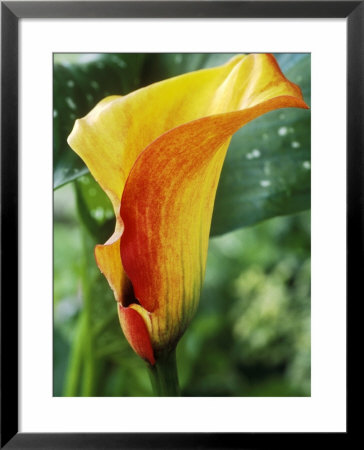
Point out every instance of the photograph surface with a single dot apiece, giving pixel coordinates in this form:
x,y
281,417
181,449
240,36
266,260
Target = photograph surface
x,y
182,224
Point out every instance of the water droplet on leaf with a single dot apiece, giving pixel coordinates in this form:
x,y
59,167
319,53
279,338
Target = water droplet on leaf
x,y
98,213
71,104
282,131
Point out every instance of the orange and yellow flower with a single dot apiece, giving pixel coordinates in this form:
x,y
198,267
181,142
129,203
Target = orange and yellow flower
x,y
158,153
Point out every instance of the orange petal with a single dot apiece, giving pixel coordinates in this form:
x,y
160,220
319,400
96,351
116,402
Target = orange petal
x,y
167,207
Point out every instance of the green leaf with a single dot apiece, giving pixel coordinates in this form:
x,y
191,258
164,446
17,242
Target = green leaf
x,y
160,66
267,168
94,208
77,87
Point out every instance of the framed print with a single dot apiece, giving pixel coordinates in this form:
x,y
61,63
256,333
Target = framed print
x,y
184,159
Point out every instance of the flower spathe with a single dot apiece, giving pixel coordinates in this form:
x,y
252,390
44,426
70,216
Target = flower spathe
x,y
158,154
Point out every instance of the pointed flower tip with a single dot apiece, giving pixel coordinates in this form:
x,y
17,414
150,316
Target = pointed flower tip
x,y
80,126
74,131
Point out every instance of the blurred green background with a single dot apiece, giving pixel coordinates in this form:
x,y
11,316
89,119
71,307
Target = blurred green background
x,y
251,334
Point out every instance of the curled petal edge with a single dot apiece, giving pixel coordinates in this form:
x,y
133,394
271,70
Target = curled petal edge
x,y
136,331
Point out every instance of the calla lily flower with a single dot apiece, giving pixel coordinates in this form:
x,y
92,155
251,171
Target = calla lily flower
x,y
158,153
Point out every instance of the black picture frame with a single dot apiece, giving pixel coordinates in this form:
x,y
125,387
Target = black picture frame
x,y
11,12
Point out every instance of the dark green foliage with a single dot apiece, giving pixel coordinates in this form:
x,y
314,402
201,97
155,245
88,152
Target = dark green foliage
x,y
77,88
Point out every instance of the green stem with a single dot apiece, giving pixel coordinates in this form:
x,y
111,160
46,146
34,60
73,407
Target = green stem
x,y
164,376
75,361
88,380
89,363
